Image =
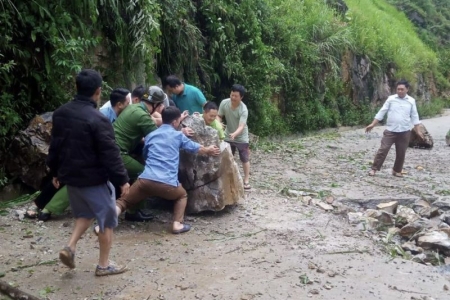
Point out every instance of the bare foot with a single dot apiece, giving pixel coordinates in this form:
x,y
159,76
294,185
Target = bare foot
x,y
372,172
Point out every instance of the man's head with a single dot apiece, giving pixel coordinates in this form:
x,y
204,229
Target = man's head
x,y
89,84
172,116
209,112
137,94
120,98
402,88
154,100
174,85
237,93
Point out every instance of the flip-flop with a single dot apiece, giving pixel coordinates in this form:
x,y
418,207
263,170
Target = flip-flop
x,y
185,228
247,186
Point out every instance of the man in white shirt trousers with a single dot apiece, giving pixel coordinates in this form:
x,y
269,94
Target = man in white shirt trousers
x,y
402,114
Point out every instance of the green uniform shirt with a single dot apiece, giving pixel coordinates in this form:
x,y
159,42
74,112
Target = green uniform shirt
x,y
234,117
132,125
217,126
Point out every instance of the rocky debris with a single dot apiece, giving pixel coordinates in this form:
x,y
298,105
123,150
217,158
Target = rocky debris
x,y
411,248
294,193
415,141
28,151
383,217
372,203
389,207
405,215
428,212
362,222
434,240
412,228
211,182
329,199
443,203
420,204
445,218
20,214
325,206
306,200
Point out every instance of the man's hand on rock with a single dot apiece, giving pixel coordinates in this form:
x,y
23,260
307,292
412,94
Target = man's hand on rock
x,y
187,131
213,150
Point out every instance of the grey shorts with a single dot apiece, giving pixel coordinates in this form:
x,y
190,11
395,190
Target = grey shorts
x,y
94,202
243,148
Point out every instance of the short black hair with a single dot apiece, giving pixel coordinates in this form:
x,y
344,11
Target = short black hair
x,y
88,81
172,81
238,88
209,105
403,82
169,114
118,95
138,92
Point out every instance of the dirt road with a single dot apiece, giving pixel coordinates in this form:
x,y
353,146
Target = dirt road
x,y
271,246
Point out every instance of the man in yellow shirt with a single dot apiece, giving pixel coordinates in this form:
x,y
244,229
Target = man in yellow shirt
x,y
210,111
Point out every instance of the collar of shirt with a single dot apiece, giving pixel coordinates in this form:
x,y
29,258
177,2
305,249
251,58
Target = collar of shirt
x,y
143,106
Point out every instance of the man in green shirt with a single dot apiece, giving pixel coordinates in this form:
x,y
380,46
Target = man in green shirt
x,y
210,117
186,97
132,125
236,133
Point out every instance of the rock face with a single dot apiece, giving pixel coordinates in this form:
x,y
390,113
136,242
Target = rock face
x,y
211,182
416,141
29,150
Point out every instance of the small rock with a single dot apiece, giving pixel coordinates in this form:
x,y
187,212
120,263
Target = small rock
x,y
331,274
327,287
311,266
443,203
324,206
410,229
66,224
420,204
315,201
294,193
329,199
306,200
412,248
419,168
382,216
434,240
445,218
419,258
314,292
428,212
445,287
320,270
393,230
405,215
354,217
389,207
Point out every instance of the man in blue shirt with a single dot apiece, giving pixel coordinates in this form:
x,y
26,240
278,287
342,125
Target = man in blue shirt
x,y
185,96
160,177
119,100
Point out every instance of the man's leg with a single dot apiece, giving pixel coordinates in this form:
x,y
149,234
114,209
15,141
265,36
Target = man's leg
x,y
105,241
401,145
59,203
386,144
81,225
244,156
134,169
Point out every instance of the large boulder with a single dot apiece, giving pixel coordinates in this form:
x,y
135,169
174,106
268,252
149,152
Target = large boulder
x,y
211,182
415,141
29,149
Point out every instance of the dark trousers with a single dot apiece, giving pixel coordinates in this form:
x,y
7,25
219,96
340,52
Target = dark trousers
x,y
401,141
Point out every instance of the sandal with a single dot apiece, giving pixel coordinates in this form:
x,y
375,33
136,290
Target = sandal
x,y
396,174
32,212
185,228
247,186
67,257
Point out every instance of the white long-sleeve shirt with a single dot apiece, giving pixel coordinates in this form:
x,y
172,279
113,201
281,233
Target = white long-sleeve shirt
x,y
402,113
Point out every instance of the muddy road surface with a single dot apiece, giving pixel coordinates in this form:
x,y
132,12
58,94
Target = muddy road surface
x,y
270,246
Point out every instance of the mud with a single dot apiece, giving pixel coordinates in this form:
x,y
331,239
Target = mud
x,y
270,246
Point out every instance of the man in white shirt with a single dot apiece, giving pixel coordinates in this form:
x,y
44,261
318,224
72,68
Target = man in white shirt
x,y
402,112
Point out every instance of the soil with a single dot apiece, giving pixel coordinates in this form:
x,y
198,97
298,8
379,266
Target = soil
x,y
270,246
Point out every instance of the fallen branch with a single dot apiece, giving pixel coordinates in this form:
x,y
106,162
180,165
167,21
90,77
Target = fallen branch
x,y
348,251
236,237
15,293
41,263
